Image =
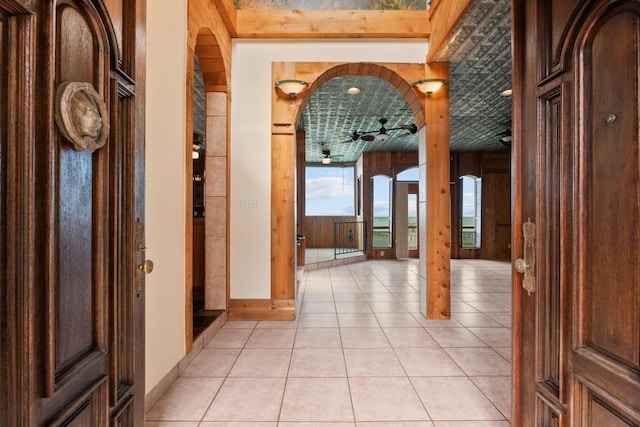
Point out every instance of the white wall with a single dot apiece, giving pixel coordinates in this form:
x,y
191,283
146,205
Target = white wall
x,y
251,139
165,185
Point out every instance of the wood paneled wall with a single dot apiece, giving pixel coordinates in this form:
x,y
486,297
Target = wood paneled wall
x,y
318,230
494,169
389,164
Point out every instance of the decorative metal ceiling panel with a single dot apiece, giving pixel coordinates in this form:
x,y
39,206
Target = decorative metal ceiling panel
x,y
199,101
479,55
333,115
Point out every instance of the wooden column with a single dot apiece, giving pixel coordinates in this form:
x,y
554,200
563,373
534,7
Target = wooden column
x,y
438,221
283,170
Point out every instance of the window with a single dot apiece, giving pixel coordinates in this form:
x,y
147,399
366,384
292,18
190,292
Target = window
x,y
412,221
471,212
382,211
411,174
329,191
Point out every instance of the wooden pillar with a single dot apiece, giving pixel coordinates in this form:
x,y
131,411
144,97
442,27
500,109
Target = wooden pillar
x,y
283,170
438,198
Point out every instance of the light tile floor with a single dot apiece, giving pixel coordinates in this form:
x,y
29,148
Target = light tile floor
x,y
358,355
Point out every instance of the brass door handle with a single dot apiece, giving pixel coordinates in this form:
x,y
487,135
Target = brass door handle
x,y
527,266
147,267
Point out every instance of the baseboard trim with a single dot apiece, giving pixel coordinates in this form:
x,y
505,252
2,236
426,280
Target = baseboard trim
x,y
262,309
198,344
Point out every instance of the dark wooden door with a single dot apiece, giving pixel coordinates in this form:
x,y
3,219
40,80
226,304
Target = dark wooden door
x,y
577,177
72,192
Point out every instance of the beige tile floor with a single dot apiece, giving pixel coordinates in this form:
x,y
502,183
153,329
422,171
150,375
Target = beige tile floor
x,y
358,355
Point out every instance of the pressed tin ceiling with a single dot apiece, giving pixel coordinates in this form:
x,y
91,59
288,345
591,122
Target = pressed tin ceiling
x,y
332,115
479,55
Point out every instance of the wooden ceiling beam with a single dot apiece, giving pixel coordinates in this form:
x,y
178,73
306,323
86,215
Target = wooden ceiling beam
x,y
227,11
279,23
444,16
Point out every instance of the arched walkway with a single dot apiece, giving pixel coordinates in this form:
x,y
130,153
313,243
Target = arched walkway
x,y
207,40
285,112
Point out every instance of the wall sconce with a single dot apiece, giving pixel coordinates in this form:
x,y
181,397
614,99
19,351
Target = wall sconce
x,y
429,86
291,88
195,153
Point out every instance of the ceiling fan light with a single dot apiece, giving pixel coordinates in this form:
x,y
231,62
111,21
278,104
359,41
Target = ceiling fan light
x,y
326,160
383,136
412,128
291,88
429,86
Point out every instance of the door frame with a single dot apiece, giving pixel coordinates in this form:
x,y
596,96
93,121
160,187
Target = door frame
x,y
17,189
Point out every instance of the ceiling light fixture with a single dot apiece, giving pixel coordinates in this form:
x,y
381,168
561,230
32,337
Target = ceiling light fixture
x,y
429,86
353,90
506,92
291,88
326,160
382,136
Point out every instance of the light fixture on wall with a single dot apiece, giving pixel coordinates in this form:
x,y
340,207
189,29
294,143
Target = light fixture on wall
x,y
429,86
195,153
291,88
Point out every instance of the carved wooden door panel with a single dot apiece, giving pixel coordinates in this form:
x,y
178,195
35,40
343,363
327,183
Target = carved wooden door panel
x,y
577,177
75,230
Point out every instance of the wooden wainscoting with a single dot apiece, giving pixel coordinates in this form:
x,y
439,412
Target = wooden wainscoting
x,y
318,230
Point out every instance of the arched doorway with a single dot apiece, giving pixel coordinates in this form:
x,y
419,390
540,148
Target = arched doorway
x,y
206,234
283,156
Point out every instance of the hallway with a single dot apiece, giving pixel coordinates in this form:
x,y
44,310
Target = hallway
x,y
359,354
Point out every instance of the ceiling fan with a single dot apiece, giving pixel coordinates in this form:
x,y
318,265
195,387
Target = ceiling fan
x,y
505,137
382,133
326,156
